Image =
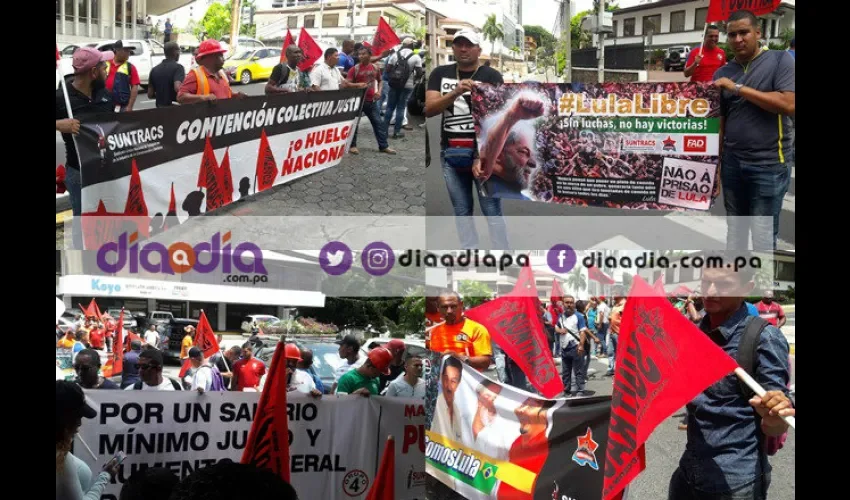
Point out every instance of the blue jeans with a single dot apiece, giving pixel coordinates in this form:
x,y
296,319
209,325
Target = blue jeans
x,y
515,376
753,190
460,184
571,362
612,351
370,109
602,334
681,489
385,92
396,102
74,184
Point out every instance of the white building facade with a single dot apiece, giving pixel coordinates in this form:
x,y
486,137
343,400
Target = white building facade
x,y
82,21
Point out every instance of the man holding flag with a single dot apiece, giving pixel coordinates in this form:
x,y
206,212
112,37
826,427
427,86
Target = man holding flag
x,y
463,338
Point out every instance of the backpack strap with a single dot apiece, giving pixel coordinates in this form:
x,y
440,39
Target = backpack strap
x,y
175,384
747,357
137,386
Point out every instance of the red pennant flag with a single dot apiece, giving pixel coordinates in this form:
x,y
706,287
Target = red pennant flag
x,y
682,291
101,226
205,340
94,310
211,177
286,43
117,351
384,486
136,196
266,166
268,441
172,205
720,10
226,179
557,294
385,38
596,274
208,161
663,362
312,51
515,324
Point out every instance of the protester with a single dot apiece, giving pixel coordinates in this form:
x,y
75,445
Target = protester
x,y
603,317
248,370
614,334
68,341
152,483
130,370
460,336
205,375
327,76
704,61
368,74
572,329
150,369
130,337
589,341
286,77
167,31
73,476
87,94
349,352
725,454
122,78
757,106
208,81
346,56
306,364
97,338
409,384
224,363
167,77
187,342
364,380
81,341
296,380
396,347
152,337
87,367
771,311
229,480
400,87
448,93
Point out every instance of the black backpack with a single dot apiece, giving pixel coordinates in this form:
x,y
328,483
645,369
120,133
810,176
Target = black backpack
x,y
399,71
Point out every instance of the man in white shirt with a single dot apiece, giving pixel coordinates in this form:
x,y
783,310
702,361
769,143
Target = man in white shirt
x,y
326,76
410,383
603,314
150,369
296,380
349,352
152,337
572,328
202,379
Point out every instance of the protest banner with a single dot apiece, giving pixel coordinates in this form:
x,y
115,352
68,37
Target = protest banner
x,y
720,10
335,442
615,145
407,423
159,167
492,441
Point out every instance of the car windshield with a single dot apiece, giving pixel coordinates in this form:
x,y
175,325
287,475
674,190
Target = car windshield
x,y
325,359
245,54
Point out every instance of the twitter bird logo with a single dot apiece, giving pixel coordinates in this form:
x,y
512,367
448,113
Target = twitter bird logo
x,y
335,258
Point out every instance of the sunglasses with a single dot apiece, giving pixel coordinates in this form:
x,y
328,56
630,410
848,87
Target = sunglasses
x,y
148,366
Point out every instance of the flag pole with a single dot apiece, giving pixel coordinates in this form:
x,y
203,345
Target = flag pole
x,y
704,32
759,390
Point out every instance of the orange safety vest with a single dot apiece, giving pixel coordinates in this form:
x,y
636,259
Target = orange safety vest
x,y
204,84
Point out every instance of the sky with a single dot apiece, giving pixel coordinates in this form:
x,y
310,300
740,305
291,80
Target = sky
x,y
543,12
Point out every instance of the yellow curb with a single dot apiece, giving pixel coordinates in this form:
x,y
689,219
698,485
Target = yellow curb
x,y
61,217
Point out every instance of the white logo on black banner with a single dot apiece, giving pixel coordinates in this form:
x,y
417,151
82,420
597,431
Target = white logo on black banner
x,y
457,118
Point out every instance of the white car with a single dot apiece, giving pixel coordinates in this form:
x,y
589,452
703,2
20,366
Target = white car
x,y
243,43
250,323
66,325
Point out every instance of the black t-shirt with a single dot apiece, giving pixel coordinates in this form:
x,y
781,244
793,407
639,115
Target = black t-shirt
x,y
457,119
162,79
81,105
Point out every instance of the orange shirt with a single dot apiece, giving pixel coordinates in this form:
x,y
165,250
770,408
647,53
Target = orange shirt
x,y
185,345
219,84
66,343
467,337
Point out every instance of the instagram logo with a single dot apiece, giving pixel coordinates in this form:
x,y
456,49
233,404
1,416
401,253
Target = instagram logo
x,y
377,258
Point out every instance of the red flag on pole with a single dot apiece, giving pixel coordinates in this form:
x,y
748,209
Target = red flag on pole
x,y
93,310
515,324
204,340
557,294
117,351
286,43
312,51
720,10
596,274
266,166
268,441
385,38
384,486
663,362
226,178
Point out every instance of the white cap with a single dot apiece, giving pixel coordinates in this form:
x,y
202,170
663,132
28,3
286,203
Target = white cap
x,y
470,35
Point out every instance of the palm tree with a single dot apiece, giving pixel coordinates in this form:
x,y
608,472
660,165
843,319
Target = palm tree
x,y
576,280
786,36
402,24
493,32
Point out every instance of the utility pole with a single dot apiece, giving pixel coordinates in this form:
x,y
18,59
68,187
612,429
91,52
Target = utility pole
x,y
600,36
351,7
568,57
235,16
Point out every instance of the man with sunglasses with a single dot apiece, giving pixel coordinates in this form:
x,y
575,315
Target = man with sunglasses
x,y
150,369
87,367
726,452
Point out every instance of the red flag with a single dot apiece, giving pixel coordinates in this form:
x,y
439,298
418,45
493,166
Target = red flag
x,y
384,486
312,51
385,38
659,285
663,362
136,196
286,43
266,166
94,310
720,10
681,291
208,161
226,179
172,205
556,294
268,441
596,274
205,340
57,56
210,177
515,324
117,351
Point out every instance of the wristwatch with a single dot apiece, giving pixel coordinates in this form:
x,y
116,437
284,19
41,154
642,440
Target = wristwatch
x,y
738,87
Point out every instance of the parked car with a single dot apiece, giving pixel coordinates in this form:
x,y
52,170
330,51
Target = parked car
x,y
160,317
244,43
172,336
65,325
251,322
676,57
248,65
325,359
129,317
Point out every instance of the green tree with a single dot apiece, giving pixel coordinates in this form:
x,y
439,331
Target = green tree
x,y
412,310
541,37
402,24
786,36
216,22
492,32
576,280
474,293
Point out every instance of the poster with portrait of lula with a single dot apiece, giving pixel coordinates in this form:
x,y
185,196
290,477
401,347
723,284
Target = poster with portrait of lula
x,y
617,145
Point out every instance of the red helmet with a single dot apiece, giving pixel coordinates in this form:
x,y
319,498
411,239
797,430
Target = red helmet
x,y
381,357
291,351
208,47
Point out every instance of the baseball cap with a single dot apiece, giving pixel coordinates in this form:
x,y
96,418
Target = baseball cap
x,y
349,340
395,344
70,400
470,35
118,45
408,41
86,58
195,353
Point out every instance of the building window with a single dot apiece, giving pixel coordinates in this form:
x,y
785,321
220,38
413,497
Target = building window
x,y
374,18
95,11
69,10
785,271
699,18
330,21
629,27
82,10
652,24
614,34
118,8
309,21
292,22
677,21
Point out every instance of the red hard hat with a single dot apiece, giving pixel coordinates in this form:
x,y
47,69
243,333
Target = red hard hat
x,y
381,357
291,351
208,47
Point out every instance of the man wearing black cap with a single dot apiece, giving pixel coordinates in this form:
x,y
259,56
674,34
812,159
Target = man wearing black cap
x,y
349,352
123,80
202,380
150,368
87,366
165,79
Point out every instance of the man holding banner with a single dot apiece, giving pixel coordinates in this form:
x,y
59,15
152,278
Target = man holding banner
x,y
208,81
